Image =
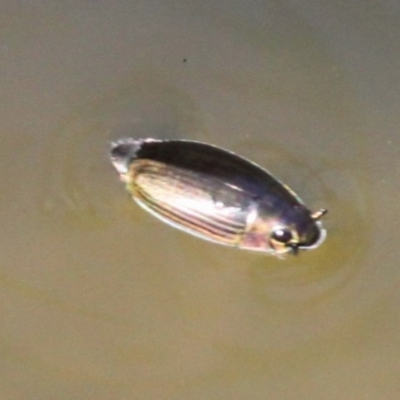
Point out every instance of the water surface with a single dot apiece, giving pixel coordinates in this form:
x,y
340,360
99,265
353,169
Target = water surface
x,y
98,299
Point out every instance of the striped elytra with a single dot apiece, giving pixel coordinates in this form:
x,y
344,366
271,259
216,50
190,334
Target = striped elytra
x,y
216,195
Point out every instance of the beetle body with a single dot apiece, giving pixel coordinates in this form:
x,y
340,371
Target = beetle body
x,y
216,195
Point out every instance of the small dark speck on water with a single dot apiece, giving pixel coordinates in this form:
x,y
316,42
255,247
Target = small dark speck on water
x,y
184,60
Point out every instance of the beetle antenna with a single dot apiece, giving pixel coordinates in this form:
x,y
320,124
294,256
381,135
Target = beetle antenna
x,y
319,214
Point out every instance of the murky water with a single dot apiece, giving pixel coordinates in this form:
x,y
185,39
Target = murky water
x,y
101,301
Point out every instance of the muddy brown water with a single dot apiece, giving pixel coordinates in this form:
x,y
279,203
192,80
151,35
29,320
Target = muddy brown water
x,y
101,301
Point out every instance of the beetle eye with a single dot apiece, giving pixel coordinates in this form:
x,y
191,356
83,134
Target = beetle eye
x,y
282,235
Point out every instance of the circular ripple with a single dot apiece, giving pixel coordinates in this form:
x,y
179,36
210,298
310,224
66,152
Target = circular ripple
x,y
321,183
81,185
